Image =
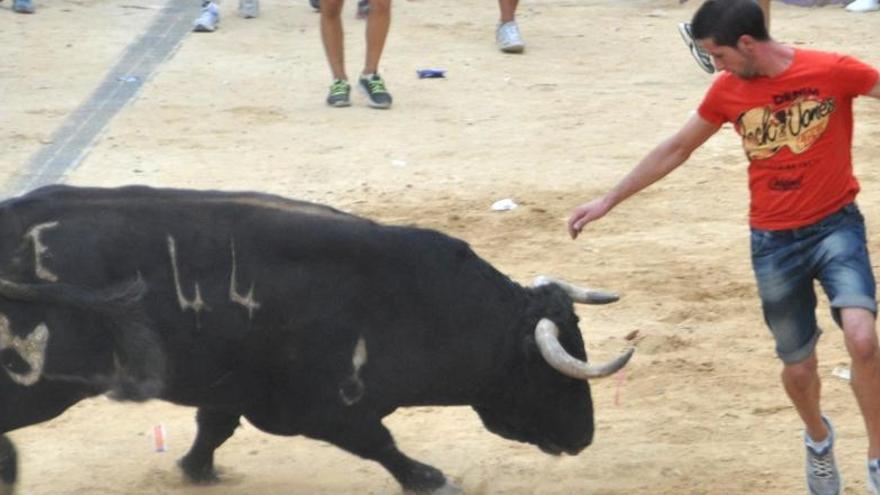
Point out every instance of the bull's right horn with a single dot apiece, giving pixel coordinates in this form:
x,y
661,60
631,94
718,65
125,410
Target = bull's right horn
x,y
547,338
578,294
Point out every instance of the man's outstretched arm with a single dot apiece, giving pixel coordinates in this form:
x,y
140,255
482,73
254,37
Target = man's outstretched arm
x,y
659,162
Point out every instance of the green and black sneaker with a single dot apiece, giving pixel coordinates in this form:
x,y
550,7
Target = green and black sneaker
x,y
374,87
339,95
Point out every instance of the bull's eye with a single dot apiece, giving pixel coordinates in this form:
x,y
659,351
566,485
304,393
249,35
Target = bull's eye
x,y
13,362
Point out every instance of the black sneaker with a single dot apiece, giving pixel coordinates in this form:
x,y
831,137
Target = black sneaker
x,y
374,87
339,95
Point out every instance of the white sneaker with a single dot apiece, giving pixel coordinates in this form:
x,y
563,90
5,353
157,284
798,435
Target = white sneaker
x,y
863,6
508,38
249,8
208,20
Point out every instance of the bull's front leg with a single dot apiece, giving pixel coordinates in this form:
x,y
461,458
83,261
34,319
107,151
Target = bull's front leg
x,y
368,438
214,428
8,466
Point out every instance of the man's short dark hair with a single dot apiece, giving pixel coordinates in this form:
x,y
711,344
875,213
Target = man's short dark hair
x,y
724,21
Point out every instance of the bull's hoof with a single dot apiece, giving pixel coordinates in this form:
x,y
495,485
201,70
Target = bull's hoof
x,y
449,488
198,474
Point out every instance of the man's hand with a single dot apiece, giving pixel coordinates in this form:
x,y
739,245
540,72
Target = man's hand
x,y
585,214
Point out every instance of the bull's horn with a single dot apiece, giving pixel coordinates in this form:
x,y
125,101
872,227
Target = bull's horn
x,y
578,294
547,337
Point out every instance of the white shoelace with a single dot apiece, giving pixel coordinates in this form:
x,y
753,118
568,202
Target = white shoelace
x,y
822,466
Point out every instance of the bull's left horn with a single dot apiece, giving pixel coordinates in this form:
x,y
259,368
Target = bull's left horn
x,y
547,338
578,294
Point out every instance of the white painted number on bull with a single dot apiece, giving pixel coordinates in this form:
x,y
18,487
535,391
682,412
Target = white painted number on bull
x,y
40,249
197,304
247,300
359,358
352,389
31,348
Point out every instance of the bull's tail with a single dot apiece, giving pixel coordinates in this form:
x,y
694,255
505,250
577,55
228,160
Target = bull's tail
x,y
140,362
8,466
140,359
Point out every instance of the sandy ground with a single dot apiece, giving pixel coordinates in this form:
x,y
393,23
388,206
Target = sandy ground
x,y
699,410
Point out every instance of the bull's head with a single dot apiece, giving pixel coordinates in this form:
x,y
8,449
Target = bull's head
x,y
99,337
547,401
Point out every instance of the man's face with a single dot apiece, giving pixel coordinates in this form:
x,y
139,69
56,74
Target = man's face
x,y
735,60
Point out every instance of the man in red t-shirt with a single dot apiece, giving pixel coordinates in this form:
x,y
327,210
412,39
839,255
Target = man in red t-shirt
x,y
793,110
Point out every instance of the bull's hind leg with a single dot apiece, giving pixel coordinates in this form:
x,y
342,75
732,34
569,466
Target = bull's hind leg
x,y
8,466
369,439
214,428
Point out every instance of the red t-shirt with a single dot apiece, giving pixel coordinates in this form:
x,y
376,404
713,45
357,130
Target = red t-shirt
x,y
796,131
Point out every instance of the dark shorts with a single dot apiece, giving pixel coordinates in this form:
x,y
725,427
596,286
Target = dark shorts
x,y
832,251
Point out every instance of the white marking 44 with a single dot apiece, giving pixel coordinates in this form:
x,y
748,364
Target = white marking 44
x,y
196,304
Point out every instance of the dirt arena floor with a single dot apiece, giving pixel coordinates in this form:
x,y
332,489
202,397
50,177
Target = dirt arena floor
x,y
698,411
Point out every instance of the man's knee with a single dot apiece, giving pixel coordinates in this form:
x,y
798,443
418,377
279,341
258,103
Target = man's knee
x,y
801,374
862,345
860,334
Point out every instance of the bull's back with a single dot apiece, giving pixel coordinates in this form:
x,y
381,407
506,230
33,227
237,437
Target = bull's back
x,y
133,228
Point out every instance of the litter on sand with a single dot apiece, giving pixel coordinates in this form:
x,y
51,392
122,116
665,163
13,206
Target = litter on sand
x,y
159,438
431,73
506,204
841,372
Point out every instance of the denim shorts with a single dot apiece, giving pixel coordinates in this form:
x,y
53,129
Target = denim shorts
x,y
832,251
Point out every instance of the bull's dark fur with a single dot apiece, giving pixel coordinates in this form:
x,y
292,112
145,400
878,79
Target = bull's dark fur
x,y
441,326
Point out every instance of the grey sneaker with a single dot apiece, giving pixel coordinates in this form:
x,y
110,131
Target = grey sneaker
x,y
339,95
874,476
374,87
208,20
508,38
23,6
703,59
249,8
822,475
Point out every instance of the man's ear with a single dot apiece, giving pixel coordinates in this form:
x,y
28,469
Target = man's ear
x,y
746,43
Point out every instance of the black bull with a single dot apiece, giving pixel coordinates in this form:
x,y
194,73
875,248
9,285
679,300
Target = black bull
x,y
303,319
